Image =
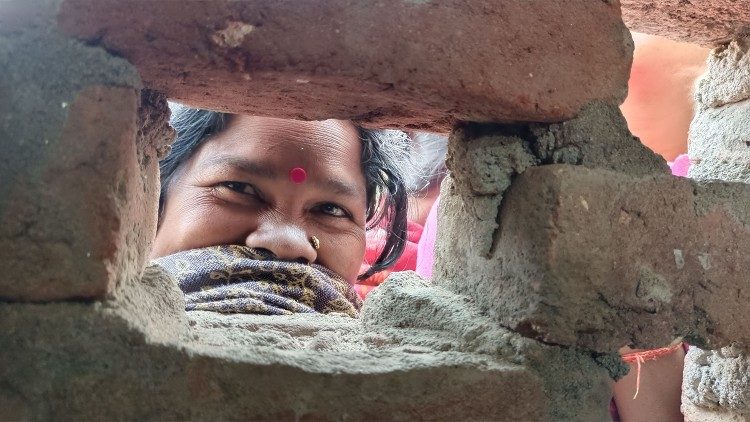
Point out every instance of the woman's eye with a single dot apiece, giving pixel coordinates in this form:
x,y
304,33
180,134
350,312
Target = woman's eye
x,y
239,187
333,210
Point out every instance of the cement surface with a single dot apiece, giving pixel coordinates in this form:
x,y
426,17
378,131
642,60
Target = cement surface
x,y
718,380
719,139
693,413
727,77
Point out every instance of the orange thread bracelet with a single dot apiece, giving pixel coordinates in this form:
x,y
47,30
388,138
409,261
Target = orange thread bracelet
x,y
644,356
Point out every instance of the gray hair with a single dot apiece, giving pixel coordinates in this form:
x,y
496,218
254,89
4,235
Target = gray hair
x,y
427,161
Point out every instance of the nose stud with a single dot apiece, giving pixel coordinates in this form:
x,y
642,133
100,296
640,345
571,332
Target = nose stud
x,y
315,242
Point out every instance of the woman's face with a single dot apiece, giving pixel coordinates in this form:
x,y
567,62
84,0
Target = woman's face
x,y
236,189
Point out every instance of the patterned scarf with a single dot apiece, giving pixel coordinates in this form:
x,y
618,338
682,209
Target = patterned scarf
x,y
238,279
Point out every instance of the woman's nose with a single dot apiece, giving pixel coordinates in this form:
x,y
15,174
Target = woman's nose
x,y
288,242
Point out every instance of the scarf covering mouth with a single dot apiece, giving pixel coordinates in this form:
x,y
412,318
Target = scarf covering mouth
x,y
238,279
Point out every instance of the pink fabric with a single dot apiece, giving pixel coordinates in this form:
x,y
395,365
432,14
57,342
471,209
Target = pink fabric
x,y
680,165
375,242
363,289
426,246
408,260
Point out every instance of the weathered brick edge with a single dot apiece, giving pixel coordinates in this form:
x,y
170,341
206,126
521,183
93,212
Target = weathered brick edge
x,y
596,259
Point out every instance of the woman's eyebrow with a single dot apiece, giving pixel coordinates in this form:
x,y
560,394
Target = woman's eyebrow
x,y
261,169
256,168
340,187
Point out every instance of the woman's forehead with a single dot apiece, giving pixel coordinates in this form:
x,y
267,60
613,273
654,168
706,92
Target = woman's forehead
x,y
274,132
329,148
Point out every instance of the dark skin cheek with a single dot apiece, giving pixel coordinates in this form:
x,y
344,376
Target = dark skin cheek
x,y
194,218
342,244
218,223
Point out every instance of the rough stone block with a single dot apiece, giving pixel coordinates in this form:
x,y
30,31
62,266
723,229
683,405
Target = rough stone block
x,y
707,23
135,357
718,147
727,78
719,139
405,63
596,259
485,159
717,382
575,384
80,177
693,413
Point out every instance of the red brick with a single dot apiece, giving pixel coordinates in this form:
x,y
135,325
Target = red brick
x,y
81,217
707,23
392,62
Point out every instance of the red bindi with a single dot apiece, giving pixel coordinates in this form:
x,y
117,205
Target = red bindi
x,y
297,175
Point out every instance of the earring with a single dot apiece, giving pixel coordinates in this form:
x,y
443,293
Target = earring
x,y
315,242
